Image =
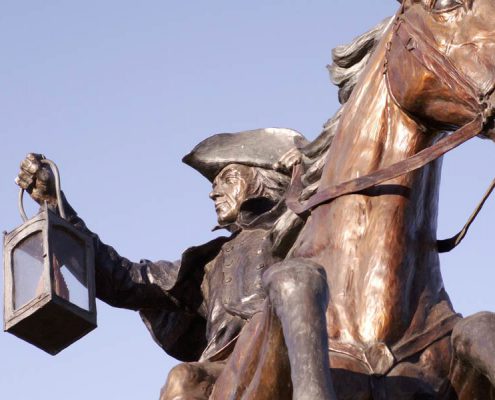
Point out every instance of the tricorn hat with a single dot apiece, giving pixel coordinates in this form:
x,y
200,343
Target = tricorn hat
x,y
256,148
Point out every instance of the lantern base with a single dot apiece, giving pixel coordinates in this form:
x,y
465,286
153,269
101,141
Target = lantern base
x,y
49,285
51,325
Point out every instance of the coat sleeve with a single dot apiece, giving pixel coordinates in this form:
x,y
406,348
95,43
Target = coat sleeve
x,y
167,294
136,285
183,334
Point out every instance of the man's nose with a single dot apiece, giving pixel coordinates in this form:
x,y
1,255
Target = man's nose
x,y
214,194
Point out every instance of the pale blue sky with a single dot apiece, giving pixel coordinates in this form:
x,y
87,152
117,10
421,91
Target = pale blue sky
x,y
116,92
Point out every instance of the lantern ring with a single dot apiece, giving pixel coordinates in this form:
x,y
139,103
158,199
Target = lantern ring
x,y
58,192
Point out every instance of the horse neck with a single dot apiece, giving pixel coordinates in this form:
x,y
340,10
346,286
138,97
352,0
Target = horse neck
x,y
384,238
374,132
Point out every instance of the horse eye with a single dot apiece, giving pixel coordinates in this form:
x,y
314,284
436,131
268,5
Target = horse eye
x,y
446,5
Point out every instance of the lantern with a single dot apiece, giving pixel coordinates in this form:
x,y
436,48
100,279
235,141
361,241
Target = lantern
x,y
49,284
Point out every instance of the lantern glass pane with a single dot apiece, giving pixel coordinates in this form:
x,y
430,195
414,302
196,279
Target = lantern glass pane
x,y
69,268
28,270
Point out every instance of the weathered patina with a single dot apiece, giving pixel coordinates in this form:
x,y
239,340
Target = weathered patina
x,y
346,301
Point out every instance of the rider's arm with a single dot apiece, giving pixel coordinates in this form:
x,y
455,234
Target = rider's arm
x,y
119,282
126,284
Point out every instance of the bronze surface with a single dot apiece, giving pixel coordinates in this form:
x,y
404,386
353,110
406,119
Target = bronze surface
x,y
356,307
379,247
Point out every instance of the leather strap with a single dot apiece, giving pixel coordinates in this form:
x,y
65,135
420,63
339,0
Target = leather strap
x,y
357,185
434,61
446,245
380,363
421,341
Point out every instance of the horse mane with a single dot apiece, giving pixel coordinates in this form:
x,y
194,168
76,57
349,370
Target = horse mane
x,y
348,63
349,60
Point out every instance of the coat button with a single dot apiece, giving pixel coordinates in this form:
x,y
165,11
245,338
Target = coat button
x,y
259,251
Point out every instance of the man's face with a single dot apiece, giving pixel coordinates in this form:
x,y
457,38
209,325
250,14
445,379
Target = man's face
x,y
230,190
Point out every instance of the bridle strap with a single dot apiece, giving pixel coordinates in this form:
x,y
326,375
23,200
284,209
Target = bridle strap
x,y
433,60
357,185
446,245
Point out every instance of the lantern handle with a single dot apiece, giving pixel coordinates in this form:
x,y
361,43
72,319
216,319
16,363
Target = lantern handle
x,y
58,192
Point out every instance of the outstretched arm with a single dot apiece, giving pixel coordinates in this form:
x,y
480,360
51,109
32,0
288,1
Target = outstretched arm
x,y
126,284
119,282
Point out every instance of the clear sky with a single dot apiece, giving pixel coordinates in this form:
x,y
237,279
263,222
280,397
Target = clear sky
x,y
117,91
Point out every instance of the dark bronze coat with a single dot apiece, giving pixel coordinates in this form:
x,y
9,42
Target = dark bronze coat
x,y
194,308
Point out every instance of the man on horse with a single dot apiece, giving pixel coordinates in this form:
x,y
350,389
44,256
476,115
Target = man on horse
x,y
372,196
198,309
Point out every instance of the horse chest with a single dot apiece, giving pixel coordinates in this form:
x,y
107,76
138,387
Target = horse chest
x,y
368,266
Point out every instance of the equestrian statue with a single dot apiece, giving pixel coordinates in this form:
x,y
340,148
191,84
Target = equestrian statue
x,y
329,284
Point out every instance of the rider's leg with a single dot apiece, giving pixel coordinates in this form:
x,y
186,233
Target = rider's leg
x,y
473,341
191,381
298,291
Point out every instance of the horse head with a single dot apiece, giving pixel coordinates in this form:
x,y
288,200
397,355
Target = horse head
x,y
441,61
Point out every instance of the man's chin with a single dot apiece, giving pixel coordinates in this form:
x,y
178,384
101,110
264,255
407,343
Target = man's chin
x,y
224,220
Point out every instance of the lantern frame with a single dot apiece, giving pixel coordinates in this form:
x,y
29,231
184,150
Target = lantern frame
x,y
48,321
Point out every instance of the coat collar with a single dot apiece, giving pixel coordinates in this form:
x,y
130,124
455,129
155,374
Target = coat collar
x,y
257,213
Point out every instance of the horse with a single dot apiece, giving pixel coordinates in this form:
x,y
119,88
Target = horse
x,y
372,219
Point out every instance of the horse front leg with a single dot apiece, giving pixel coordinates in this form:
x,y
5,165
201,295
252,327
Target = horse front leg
x,y
191,381
472,374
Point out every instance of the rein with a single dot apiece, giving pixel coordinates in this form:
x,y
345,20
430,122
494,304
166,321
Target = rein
x,y
436,62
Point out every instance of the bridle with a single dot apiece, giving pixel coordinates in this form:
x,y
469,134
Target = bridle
x,y
442,67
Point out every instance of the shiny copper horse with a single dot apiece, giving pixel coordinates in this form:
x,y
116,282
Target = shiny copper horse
x,y
393,333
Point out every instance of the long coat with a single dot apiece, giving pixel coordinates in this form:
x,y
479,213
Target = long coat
x,y
194,308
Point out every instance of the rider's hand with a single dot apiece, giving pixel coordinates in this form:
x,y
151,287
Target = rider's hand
x,y
37,179
288,160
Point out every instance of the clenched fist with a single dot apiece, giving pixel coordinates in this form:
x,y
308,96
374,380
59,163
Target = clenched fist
x,y
37,179
288,160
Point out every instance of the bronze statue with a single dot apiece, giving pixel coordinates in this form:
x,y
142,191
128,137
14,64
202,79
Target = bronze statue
x,y
197,308
357,272
393,333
